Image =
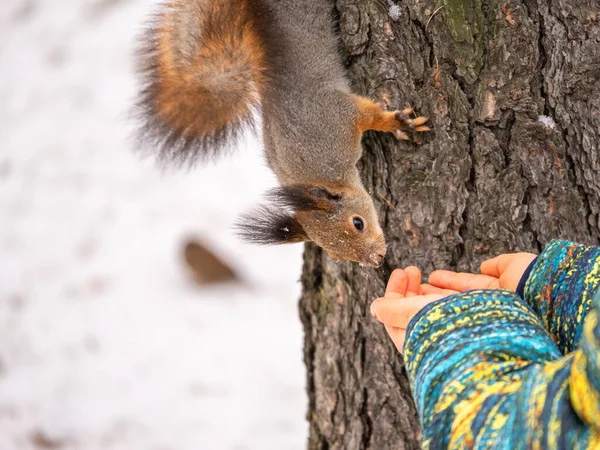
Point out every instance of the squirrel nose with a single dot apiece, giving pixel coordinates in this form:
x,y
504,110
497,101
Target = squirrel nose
x,y
378,259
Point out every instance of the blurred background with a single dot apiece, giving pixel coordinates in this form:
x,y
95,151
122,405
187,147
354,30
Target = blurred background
x,y
106,340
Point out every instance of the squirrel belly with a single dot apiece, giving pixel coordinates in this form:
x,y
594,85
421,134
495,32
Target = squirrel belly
x,y
207,65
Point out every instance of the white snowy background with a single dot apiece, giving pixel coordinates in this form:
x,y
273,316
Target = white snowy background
x,y
105,342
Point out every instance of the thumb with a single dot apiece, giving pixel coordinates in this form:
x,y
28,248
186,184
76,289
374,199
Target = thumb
x,y
495,267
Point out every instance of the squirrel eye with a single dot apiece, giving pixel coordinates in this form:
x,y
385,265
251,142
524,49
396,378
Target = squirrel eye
x,y
358,223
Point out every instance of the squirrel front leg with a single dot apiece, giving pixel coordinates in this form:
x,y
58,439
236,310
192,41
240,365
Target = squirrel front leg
x,y
371,116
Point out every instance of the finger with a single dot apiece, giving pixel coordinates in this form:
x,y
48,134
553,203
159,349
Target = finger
x,y
512,271
397,335
460,282
491,267
496,266
397,283
397,313
429,289
414,281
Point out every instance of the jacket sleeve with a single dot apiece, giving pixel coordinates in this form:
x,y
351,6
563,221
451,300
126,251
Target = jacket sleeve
x,y
464,350
584,388
560,288
486,374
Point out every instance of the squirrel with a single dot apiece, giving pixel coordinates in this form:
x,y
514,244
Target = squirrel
x,y
208,66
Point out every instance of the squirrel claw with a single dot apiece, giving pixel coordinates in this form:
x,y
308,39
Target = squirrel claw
x,y
406,124
401,135
420,120
402,117
409,124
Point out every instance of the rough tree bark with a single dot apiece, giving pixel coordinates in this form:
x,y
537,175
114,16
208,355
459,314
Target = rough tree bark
x,y
495,176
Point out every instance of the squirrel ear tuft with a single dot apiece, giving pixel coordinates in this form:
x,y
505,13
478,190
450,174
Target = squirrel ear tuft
x,y
269,225
304,197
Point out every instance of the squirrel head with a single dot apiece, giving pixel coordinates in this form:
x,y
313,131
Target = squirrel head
x,y
341,220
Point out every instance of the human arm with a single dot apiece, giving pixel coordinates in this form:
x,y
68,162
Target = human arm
x,y
485,374
560,289
558,285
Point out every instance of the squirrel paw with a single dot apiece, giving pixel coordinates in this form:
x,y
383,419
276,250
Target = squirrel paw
x,y
404,122
373,116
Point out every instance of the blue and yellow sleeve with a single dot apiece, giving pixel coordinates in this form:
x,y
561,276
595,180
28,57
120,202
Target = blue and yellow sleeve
x,y
465,356
560,288
584,388
485,373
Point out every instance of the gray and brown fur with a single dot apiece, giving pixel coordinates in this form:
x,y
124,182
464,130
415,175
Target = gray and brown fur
x,y
208,63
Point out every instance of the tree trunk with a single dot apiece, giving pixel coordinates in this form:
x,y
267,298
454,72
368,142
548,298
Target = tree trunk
x,y
511,87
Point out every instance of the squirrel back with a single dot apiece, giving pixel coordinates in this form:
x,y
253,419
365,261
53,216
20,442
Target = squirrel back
x,y
204,66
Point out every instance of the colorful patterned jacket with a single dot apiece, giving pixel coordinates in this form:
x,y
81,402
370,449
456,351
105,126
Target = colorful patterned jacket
x,y
491,369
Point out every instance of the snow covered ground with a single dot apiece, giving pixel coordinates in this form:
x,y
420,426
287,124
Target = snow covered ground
x,y
105,343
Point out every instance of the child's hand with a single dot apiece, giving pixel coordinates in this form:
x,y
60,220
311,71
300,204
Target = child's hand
x,y
405,295
502,272
404,298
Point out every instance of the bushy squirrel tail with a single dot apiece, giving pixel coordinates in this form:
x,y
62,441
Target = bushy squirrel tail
x,y
204,64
